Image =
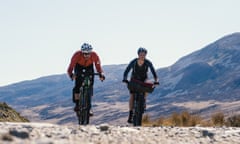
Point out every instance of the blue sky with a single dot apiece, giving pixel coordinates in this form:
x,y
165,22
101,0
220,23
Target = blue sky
x,y
38,37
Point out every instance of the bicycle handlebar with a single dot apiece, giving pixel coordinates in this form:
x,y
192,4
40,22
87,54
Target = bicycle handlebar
x,y
100,75
156,83
88,74
127,82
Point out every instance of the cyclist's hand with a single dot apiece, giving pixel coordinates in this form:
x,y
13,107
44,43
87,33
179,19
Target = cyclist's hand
x,y
73,77
125,81
102,77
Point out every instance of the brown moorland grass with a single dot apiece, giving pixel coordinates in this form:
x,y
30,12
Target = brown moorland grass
x,y
185,119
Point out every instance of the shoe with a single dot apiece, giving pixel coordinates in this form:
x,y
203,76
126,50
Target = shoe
x,y
130,117
90,113
130,121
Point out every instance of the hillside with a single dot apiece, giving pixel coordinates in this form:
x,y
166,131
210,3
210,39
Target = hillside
x,y
7,114
204,82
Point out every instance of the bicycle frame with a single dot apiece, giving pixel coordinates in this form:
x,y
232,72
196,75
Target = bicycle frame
x,y
85,99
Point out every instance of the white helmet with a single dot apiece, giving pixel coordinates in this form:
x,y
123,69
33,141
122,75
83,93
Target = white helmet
x,y
86,48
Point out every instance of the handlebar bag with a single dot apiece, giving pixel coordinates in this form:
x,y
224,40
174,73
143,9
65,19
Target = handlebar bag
x,y
139,86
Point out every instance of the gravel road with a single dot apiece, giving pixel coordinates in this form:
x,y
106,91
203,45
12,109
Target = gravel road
x,y
45,133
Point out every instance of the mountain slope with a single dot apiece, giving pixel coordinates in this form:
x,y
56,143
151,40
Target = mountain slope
x,y
203,82
208,77
7,114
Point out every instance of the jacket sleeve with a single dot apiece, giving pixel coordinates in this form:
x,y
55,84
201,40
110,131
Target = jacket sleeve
x,y
97,63
129,67
72,63
152,69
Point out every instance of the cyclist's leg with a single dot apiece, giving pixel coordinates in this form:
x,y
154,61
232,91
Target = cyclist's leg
x,y
131,101
145,100
73,95
76,91
76,100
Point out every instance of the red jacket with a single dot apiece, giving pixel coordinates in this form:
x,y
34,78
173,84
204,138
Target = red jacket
x,y
79,58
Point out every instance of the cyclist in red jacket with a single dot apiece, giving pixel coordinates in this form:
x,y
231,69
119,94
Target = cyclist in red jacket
x,y
83,61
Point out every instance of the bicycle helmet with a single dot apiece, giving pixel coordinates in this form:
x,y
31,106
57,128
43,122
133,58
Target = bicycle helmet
x,y
141,49
86,48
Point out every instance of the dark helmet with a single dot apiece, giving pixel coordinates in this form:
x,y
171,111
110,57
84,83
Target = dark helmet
x,y
141,49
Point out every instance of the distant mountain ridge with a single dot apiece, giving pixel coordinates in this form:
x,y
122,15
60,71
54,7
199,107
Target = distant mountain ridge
x,y
209,75
203,82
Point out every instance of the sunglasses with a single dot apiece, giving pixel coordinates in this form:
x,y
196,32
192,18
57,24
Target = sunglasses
x,y
86,53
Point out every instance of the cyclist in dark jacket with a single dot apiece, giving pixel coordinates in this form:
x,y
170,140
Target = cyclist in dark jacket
x,y
83,60
139,67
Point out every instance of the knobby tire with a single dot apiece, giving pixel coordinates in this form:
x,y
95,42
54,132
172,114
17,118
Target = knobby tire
x,y
84,107
138,109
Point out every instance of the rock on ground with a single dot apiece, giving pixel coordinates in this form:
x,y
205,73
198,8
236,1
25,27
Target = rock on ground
x,y
45,133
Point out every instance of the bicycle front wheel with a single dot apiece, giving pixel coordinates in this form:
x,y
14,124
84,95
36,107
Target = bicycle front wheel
x,y
138,109
83,115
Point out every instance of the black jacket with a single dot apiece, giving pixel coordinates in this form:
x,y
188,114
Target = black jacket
x,y
139,72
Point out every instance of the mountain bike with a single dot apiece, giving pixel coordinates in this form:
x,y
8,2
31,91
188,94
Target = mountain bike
x,y
85,99
139,89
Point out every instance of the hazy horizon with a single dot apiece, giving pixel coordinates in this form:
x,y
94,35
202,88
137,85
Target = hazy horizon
x,y
40,37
